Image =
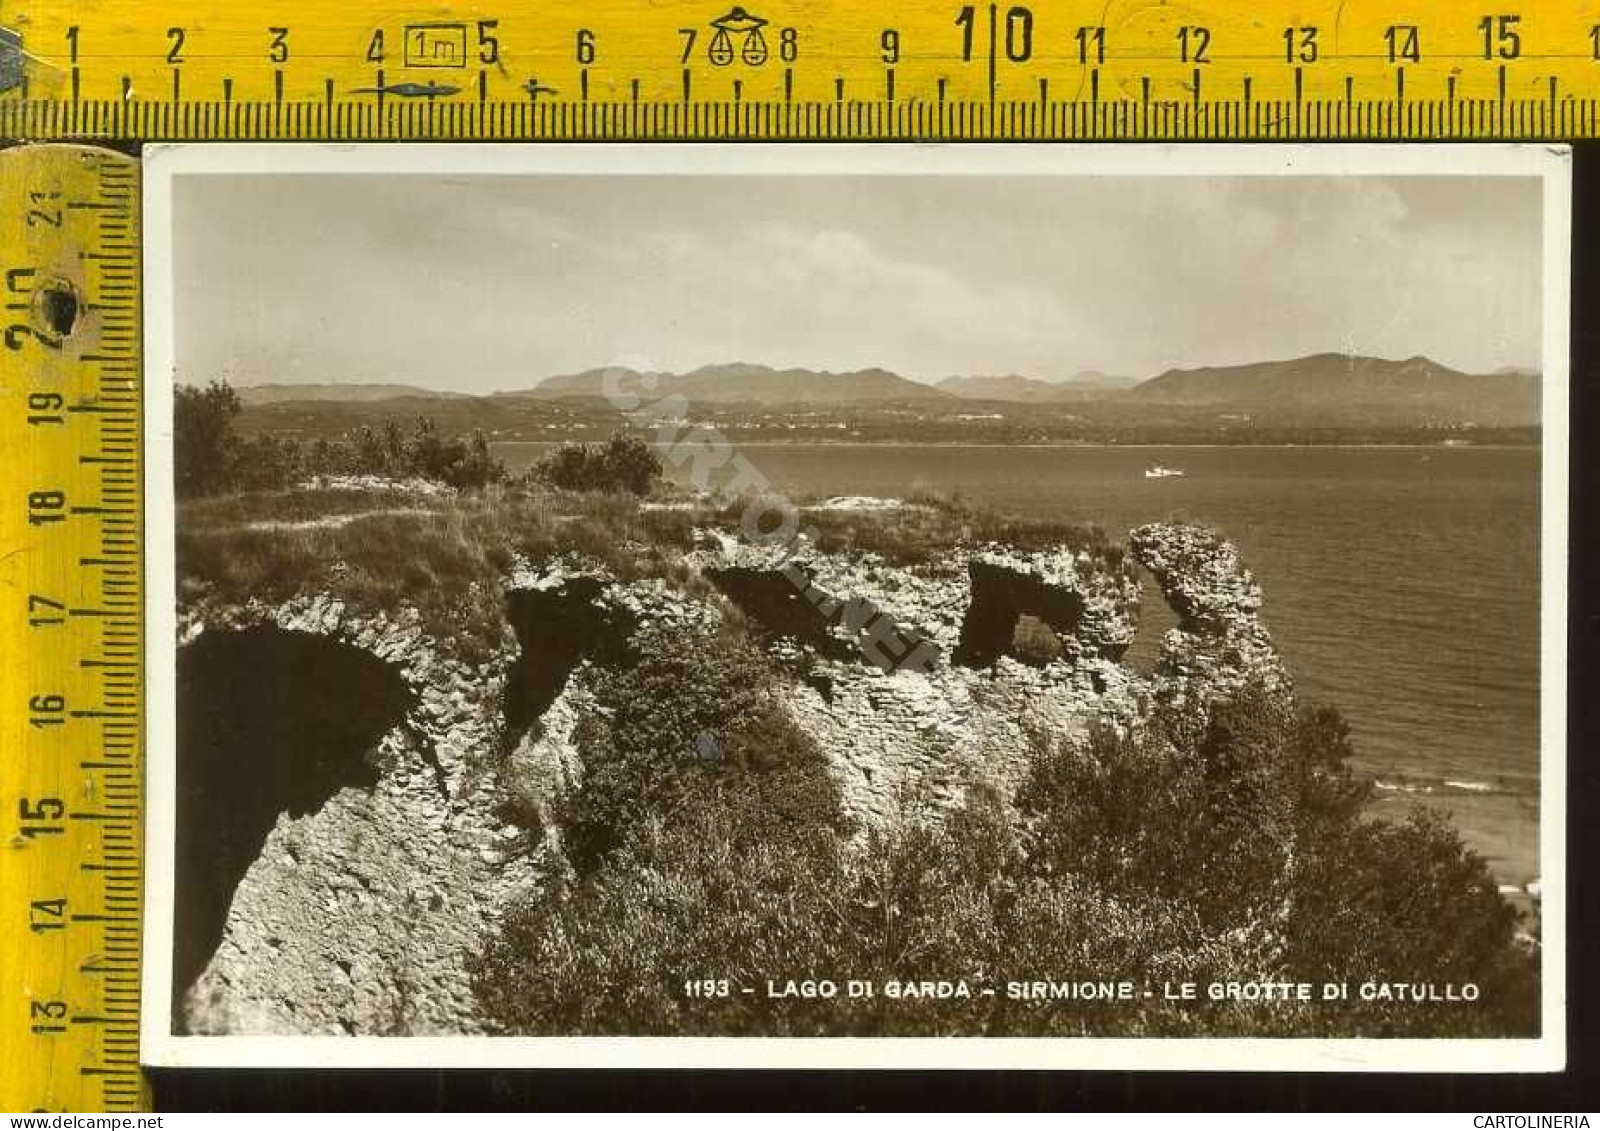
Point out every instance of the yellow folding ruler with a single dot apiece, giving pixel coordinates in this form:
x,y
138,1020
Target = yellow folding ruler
x,y
86,71
1116,69
70,630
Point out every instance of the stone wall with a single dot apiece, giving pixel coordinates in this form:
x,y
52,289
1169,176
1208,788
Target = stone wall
x,y
1220,643
357,916
360,912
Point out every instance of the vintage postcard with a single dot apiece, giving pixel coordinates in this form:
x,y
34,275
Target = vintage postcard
x,y
857,606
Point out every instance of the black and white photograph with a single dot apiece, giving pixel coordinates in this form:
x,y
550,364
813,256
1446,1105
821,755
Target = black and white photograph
x,y
619,606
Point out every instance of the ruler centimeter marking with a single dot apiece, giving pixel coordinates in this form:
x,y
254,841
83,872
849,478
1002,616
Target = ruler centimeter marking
x,y
802,69
71,644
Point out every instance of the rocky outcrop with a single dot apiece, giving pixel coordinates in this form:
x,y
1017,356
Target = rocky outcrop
x,y
559,621
373,884
924,732
966,604
1220,643
385,842
246,758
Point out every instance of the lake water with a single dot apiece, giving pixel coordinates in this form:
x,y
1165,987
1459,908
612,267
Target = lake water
x,y
1401,585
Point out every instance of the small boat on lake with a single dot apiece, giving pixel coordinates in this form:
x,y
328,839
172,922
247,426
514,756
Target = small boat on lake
x,y
1159,472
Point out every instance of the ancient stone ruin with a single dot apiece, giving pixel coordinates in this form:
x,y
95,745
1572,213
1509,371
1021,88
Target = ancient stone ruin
x,y
273,723
344,780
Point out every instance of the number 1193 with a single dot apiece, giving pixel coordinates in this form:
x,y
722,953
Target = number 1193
x,y
706,988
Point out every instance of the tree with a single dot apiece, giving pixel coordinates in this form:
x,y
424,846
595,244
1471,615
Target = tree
x,y
427,454
623,463
394,447
203,440
471,464
629,463
1407,901
370,457
268,463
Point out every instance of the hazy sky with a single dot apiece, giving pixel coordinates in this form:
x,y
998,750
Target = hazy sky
x,y
492,283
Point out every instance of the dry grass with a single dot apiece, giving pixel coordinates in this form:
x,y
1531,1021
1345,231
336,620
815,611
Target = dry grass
x,y
924,530
916,535
302,505
450,556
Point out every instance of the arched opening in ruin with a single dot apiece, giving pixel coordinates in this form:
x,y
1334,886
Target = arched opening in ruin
x,y
1156,619
270,721
556,628
830,625
1014,614
771,598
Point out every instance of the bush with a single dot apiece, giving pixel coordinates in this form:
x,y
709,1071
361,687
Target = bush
x,y
1255,830
203,439
687,895
267,463
460,463
623,463
1033,641
209,458
1409,902
1213,817
708,895
712,893
1229,847
695,713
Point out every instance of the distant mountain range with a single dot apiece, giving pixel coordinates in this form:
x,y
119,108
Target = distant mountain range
x,y
351,393
1346,383
1087,385
738,383
1325,388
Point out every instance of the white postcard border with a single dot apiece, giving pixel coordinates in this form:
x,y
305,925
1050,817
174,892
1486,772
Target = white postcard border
x,y
163,164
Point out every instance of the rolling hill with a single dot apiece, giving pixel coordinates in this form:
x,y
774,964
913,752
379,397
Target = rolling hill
x,y
738,383
1318,395
343,392
1088,385
1008,388
1342,385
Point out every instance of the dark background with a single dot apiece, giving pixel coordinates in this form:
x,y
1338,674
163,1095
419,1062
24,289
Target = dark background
x,y
1573,1090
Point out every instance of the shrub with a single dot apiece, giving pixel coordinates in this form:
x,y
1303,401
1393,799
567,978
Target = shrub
x,y
989,893
209,458
687,895
623,463
1254,829
695,713
706,894
1212,816
266,463
711,893
463,464
203,438
1214,846
1409,902
1033,641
